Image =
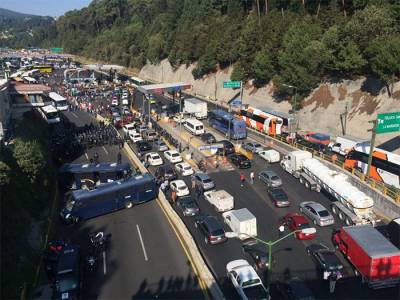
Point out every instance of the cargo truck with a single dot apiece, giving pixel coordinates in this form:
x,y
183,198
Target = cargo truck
x,y
352,206
343,144
195,107
241,221
373,257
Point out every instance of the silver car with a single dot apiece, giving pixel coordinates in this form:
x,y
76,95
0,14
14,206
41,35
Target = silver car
x,y
160,145
270,178
317,213
253,147
204,181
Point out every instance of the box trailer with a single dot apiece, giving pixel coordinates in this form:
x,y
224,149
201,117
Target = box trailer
x,y
195,107
241,221
221,200
373,257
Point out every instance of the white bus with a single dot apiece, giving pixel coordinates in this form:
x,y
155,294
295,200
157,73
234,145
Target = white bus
x,y
59,102
137,81
49,114
194,126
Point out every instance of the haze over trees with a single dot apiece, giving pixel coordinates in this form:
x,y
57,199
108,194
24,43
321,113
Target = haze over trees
x,y
293,42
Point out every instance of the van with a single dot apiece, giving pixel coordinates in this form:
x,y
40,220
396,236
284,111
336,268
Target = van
x,y
194,126
241,221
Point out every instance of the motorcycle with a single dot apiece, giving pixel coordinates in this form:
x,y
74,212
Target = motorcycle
x,y
99,240
91,263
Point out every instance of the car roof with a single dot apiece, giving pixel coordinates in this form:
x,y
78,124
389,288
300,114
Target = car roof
x,y
179,182
203,176
298,218
68,259
212,223
269,172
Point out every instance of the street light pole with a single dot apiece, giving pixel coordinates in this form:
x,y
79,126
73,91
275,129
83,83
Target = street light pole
x,y
294,109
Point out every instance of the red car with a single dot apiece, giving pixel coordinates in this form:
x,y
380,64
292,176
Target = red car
x,y
298,222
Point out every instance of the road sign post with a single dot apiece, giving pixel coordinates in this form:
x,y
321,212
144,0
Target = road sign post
x,y
371,146
388,122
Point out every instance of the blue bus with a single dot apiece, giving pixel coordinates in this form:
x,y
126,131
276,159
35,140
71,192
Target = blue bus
x,y
110,197
223,121
77,176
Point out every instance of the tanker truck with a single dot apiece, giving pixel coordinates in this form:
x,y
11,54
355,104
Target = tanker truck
x,y
351,205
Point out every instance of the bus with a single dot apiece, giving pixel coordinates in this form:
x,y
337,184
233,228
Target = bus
x,y
59,102
107,198
49,114
385,166
261,121
78,176
227,124
137,81
194,126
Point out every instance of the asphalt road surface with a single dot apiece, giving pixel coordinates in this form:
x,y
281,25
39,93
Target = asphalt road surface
x,y
144,259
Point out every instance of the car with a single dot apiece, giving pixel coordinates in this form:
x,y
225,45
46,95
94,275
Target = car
x,y
179,119
294,288
246,280
318,214
149,135
173,156
296,222
240,160
167,172
143,146
270,156
114,102
256,254
279,197
153,158
160,146
208,138
115,115
135,136
270,178
125,101
326,259
203,180
184,168
211,228
117,122
228,148
188,206
180,187
253,147
127,128
68,279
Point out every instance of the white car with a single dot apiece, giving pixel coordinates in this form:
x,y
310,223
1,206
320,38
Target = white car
x,y
270,156
184,168
179,119
135,136
153,159
114,102
180,187
128,128
125,101
173,156
246,280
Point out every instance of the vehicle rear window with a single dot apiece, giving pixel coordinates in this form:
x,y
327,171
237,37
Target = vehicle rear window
x,y
218,232
323,213
175,154
182,188
207,180
275,177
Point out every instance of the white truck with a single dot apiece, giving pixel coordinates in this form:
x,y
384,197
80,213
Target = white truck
x,y
221,200
195,107
353,206
241,221
343,144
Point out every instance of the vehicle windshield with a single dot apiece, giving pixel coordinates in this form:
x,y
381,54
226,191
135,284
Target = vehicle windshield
x,y
187,168
207,180
61,103
66,285
323,213
155,157
257,146
70,205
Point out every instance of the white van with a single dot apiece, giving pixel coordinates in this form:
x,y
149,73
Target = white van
x,y
221,200
241,221
194,126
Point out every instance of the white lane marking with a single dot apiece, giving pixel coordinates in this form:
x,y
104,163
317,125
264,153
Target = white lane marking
x,y
87,156
141,241
105,150
104,263
74,114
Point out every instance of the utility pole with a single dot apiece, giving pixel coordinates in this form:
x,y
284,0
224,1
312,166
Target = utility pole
x,y
371,146
343,120
229,124
241,92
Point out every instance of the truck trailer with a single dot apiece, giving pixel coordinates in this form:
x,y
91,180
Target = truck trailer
x,y
373,257
195,107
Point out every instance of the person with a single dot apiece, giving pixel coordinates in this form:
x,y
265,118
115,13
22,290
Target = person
x,y
242,179
199,191
193,183
251,177
173,196
96,158
119,158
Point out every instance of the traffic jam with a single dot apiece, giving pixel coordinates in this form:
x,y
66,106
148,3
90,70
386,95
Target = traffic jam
x,y
269,223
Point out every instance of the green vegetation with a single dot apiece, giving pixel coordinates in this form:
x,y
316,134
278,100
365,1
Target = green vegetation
x,y
27,186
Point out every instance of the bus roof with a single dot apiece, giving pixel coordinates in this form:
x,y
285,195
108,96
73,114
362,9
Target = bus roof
x,y
227,116
87,168
49,109
137,79
56,97
113,186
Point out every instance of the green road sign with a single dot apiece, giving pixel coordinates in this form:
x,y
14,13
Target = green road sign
x,y
57,50
232,84
388,122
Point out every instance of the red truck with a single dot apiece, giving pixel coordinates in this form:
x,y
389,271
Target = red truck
x,y
373,257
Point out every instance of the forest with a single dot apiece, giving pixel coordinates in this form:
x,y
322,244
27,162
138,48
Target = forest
x,y
293,42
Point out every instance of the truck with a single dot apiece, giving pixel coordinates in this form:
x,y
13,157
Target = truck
x,y
221,200
373,257
195,107
351,205
343,144
241,221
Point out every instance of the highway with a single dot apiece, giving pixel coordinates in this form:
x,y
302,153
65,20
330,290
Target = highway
x,y
145,259
290,256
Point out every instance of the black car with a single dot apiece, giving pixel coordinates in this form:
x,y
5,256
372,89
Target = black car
x,y
326,259
255,254
188,206
294,288
240,160
67,283
279,197
167,172
211,228
208,138
143,146
228,149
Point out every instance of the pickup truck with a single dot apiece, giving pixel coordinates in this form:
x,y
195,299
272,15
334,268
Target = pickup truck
x,y
221,200
246,280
